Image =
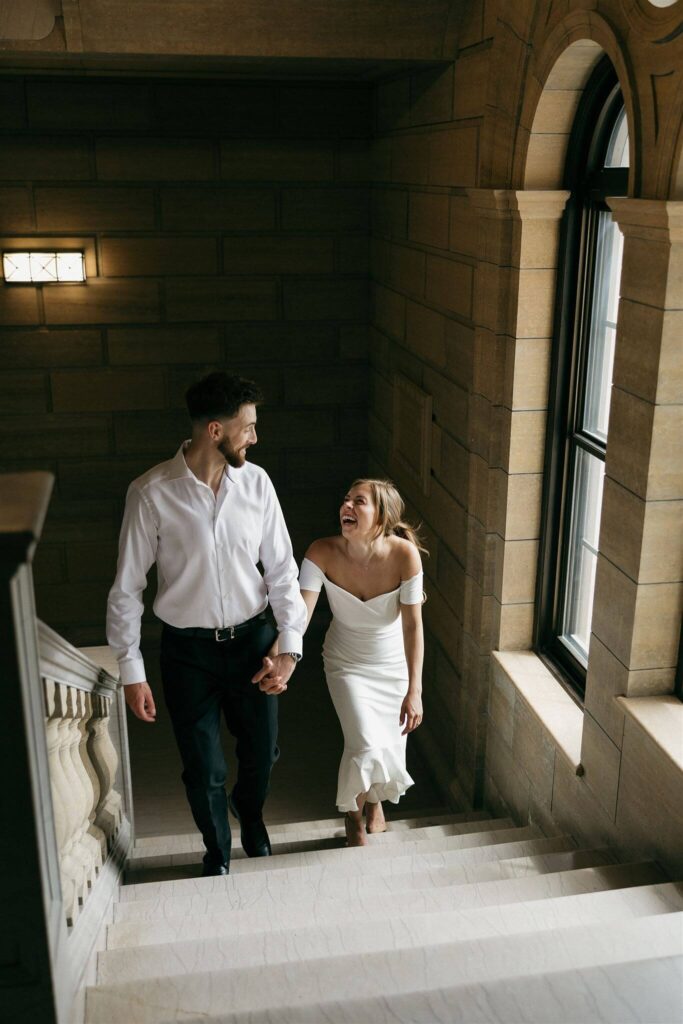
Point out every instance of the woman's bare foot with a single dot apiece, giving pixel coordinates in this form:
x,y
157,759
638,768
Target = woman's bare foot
x,y
355,830
374,818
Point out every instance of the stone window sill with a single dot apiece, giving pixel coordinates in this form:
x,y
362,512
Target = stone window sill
x,y
547,700
662,719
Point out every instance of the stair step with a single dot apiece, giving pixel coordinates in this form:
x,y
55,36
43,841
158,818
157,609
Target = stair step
x,y
412,871
404,931
171,922
538,856
377,857
208,993
629,993
330,828
158,854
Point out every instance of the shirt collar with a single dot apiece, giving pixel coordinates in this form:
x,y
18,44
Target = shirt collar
x,y
179,468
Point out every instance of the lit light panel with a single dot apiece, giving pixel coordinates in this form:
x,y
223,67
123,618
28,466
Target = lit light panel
x,y
43,267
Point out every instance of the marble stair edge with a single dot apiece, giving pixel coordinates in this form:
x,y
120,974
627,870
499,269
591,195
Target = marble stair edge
x,y
637,991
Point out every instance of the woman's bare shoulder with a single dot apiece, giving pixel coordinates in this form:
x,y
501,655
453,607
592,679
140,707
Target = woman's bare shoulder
x,y
321,550
407,557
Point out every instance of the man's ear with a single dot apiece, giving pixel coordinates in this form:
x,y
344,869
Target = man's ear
x,y
215,430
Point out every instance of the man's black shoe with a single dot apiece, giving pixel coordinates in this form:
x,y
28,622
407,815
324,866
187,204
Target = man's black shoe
x,y
255,841
215,869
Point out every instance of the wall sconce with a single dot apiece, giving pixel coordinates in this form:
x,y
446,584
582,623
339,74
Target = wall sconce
x,y
43,267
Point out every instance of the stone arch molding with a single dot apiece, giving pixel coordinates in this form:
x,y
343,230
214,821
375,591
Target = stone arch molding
x,y
559,74
28,20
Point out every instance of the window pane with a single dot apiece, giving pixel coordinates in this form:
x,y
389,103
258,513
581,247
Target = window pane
x,y
43,266
17,266
603,326
70,266
617,147
582,553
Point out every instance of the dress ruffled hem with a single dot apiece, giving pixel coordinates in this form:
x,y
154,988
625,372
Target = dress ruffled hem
x,y
380,772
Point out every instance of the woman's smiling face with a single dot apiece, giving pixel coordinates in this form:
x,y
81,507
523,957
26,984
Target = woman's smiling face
x,y
358,514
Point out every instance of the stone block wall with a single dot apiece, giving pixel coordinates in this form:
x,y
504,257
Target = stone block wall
x,y
423,266
226,226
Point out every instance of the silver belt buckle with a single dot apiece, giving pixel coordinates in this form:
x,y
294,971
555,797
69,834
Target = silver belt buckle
x,y
225,629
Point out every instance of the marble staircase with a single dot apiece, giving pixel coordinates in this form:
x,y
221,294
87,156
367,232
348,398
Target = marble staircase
x,y
443,918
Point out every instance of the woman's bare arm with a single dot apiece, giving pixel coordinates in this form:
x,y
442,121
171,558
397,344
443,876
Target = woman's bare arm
x,y
310,600
413,643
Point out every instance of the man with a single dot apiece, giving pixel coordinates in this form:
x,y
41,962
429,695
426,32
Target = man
x,y
207,517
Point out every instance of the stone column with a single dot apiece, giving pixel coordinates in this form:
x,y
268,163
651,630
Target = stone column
x,y
638,590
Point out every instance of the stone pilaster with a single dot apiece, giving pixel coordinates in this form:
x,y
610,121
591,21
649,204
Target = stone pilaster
x,y
514,303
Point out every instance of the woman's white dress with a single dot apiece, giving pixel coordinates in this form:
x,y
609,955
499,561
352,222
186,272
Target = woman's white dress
x,y
367,676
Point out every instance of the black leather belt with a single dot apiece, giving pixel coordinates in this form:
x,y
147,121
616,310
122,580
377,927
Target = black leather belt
x,y
219,635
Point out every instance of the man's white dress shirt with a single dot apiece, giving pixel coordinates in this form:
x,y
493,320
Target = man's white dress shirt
x,y
206,548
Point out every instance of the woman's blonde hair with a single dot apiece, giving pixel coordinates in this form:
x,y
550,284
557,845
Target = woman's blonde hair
x,y
390,510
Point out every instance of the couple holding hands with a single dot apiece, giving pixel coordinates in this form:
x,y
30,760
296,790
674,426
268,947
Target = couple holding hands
x,y
208,518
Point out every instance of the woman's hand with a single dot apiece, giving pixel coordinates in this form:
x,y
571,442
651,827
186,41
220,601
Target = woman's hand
x,y
411,711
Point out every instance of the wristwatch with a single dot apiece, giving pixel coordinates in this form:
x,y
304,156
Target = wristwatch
x,y
295,657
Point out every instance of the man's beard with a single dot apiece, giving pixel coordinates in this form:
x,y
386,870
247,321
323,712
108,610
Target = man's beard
x,y
234,458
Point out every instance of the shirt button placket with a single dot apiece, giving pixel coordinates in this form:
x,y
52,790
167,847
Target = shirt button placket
x,y
219,572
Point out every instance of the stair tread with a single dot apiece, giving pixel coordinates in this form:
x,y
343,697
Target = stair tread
x,y
527,859
409,931
378,857
329,828
166,923
208,993
637,991
327,877
153,857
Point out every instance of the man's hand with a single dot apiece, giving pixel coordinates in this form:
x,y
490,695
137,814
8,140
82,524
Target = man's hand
x,y
140,701
272,678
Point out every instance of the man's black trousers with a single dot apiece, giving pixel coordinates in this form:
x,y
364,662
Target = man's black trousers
x,y
202,679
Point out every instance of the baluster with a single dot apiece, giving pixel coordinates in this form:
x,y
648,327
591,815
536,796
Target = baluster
x,y
105,761
89,844
82,848
68,867
72,793
86,723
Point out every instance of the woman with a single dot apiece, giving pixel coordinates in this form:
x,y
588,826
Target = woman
x,y
373,650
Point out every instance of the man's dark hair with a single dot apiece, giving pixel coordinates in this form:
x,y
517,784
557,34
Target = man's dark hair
x,y
219,396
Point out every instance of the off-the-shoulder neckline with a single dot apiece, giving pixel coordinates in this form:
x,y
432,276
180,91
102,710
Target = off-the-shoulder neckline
x,y
387,593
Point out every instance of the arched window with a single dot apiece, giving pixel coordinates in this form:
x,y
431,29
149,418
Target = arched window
x,y
581,376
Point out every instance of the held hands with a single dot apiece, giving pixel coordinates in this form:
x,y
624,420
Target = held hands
x,y
140,701
272,678
411,711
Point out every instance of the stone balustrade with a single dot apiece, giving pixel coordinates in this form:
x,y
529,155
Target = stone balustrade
x,y
84,765
64,759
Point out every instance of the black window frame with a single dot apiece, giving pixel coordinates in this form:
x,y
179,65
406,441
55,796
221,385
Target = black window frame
x,y
589,183
678,678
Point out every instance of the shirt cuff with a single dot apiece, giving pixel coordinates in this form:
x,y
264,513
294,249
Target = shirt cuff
x,y
289,641
132,671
